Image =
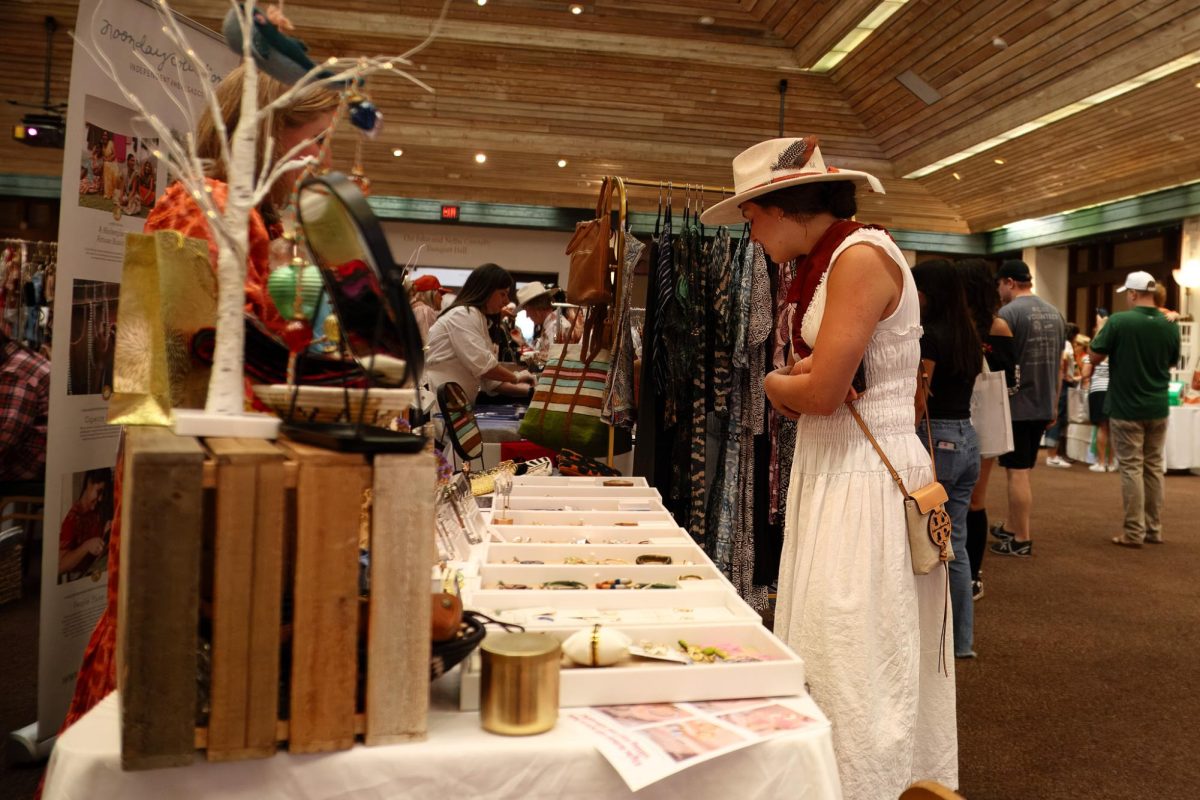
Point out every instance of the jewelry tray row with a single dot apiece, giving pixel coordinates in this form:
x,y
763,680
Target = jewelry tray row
x,y
554,520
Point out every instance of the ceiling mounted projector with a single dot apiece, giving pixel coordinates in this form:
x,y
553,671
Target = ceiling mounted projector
x,y
41,130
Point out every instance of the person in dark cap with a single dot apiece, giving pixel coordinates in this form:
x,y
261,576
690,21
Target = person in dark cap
x,y
1039,332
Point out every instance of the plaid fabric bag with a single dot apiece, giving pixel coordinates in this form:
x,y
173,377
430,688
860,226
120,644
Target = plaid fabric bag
x,y
565,409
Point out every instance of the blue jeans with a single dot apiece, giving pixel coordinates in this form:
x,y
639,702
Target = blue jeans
x,y
956,456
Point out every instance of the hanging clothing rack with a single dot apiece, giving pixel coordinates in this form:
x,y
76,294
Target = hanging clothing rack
x,y
664,184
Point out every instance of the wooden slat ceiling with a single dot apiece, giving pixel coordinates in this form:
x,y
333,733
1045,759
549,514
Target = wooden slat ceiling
x,y
645,89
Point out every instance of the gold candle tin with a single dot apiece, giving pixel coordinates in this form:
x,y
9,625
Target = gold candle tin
x,y
519,689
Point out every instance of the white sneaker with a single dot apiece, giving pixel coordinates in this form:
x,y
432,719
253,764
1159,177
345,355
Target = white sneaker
x,y
1112,467
1055,461
1097,467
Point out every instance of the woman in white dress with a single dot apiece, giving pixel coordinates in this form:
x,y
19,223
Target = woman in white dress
x,y
875,638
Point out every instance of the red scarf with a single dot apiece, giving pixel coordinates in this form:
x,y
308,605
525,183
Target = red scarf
x,y
809,273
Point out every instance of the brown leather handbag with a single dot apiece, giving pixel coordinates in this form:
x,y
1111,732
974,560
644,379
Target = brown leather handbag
x,y
589,282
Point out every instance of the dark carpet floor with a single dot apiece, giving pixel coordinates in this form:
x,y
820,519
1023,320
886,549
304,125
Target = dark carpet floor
x,y
1087,685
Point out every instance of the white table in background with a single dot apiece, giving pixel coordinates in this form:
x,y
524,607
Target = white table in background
x,y
1183,438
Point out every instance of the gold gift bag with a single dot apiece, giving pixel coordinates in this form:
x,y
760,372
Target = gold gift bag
x,y
168,294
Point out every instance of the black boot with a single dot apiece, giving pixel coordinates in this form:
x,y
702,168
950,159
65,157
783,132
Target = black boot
x,y
977,525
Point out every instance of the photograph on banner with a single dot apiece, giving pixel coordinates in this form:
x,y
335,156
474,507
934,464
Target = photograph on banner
x,y
86,526
118,172
93,337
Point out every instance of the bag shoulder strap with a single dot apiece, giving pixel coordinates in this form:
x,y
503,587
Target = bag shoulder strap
x,y
921,379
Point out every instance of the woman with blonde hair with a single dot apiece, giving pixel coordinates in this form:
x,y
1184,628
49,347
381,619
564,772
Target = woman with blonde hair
x,y
308,117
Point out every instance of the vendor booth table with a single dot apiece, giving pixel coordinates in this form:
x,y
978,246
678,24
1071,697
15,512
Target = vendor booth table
x,y
458,760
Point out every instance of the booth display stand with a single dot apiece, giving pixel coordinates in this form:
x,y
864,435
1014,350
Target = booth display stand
x,y
240,620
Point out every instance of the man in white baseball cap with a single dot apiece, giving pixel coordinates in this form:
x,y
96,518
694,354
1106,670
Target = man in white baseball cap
x,y
1141,345
1139,282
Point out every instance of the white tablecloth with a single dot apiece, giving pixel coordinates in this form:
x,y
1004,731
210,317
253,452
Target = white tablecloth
x,y
459,761
1183,438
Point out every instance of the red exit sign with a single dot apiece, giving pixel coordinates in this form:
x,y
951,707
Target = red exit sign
x,y
450,213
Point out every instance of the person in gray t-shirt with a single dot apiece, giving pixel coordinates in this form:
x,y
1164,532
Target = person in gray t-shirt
x,y
1038,335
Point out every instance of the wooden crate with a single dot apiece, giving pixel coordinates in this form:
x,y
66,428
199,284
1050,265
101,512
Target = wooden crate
x,y
220,538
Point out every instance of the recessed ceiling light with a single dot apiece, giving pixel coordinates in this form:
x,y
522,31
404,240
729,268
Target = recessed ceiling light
x,y
957,177
480,158
562,162
998,160
999,43
707,20
576,9
481,2
397,152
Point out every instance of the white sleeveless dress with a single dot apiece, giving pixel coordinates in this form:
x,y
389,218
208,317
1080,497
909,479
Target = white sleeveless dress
x,y
868,629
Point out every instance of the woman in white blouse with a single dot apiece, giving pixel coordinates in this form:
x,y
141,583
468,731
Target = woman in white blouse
x,y
459,348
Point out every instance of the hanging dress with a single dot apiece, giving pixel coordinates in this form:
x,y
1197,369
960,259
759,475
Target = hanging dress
x,y
868,629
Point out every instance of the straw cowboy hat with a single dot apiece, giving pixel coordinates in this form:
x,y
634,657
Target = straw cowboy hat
x,y
777,164
531,291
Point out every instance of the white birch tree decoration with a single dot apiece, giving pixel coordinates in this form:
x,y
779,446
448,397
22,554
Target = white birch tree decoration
x,y
223,413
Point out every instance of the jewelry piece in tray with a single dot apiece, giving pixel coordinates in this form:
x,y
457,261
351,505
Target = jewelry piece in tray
x,y
653,558
698,653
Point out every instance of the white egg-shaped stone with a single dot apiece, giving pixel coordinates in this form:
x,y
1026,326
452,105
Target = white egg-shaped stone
x,y
596,646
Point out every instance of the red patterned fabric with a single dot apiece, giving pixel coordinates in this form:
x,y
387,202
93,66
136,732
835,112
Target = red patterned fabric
x,y
808,277
177,211
24,404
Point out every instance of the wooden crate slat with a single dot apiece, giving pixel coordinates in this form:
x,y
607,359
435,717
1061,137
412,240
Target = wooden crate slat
x,y
398,647
329,488
247,599
159,600
262,709
232,573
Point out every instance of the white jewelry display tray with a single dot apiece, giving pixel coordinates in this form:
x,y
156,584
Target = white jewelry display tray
x,y
532,575
550,554
589,518
573,481
532,502
644,681
706,603
664,532
542,490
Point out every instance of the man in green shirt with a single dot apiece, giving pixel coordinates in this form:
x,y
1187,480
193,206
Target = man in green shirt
x,y
1142,346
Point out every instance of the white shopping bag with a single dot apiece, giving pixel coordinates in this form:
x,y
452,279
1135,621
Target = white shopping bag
x,y
990,414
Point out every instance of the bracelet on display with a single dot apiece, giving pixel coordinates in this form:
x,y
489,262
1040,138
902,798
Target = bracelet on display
x,y
653,558
579,560
564,585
